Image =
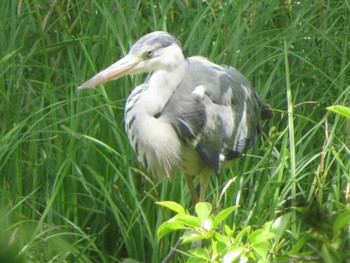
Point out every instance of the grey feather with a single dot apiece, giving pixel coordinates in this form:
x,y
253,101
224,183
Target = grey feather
x,y
224,119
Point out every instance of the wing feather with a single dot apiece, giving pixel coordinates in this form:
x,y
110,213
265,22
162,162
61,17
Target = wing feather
x,y
216,111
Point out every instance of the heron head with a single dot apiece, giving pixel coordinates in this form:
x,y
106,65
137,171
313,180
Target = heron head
x,y
154,51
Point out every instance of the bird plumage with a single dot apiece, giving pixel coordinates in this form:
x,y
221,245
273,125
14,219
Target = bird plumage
x,y
190,115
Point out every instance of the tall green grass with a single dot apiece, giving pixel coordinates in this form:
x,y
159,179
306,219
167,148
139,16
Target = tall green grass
x,y
70,187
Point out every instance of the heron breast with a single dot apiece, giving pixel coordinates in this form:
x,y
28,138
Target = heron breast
x,y
156,145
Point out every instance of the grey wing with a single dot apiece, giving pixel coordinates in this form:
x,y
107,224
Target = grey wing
x,y
216,110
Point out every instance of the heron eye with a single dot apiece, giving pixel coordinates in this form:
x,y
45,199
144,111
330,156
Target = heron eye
x,y
150,52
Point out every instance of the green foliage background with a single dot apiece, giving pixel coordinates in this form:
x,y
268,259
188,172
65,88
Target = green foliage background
x,y
71,190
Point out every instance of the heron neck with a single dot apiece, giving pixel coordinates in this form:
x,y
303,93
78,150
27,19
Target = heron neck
x,y
153,139
159,88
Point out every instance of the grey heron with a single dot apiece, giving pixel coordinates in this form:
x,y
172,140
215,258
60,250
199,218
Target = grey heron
x,y
190,115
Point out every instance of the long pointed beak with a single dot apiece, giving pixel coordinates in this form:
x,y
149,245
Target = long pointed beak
x,y
121,68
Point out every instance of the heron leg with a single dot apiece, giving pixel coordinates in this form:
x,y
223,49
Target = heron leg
x,y
204,178
192,189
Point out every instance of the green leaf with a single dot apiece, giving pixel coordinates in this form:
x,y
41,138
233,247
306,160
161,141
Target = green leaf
x,y
300,244
261,248
130,260
222,238
203,210
240,235
342,110
218,249
200,253
330,254
193,259
167,227
228,231
188,220
173,206
221,216
341,220
260,235
232,255
267,226
279,226
192,235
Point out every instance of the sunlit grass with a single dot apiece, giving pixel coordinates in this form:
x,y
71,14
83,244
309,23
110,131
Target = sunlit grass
x,y
71,189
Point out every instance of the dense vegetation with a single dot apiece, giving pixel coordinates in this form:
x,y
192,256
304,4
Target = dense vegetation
x,y
70,187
